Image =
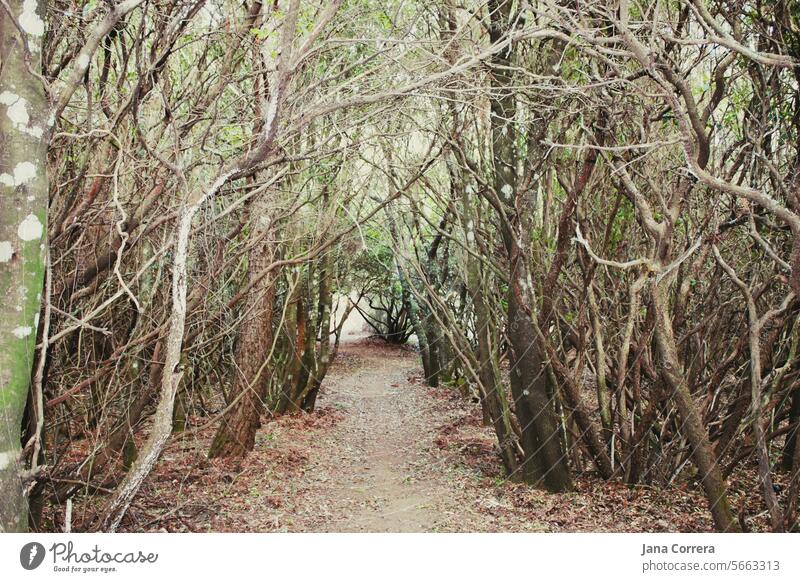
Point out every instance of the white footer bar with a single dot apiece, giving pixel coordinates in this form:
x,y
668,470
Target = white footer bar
x,y
423,557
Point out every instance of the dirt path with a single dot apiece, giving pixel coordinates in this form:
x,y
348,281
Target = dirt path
x,y
379,455
383,453
372,458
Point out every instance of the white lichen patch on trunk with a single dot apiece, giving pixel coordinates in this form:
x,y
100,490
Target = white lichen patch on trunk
x,y
24,172
8,98
17,112
83,62
6,251
6,459
30,228
29,19
22,331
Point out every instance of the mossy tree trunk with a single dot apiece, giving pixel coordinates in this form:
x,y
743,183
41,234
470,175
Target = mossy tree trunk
x,y
23,218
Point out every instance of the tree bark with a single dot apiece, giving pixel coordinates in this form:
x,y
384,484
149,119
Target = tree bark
x,y
171,376
324,326
23,220
236,434
788,454
545,461
703,454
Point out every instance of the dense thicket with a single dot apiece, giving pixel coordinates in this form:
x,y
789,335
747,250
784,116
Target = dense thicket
x,y
586,214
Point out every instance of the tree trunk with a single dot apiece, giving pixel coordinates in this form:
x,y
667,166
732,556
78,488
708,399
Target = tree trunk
x,y
545,461
411,305
691,423
236,434
324,316
603,393
493,392
286,347
23,219
171,376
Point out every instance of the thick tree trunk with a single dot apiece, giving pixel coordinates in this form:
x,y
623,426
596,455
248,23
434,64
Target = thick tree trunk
x,y
236,434
23,219
545,461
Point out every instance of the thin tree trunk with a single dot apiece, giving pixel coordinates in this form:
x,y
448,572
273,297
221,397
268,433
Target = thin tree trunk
x,y
603,394
703,454
413,309
493,392
787,457
171,376
325,311
754,332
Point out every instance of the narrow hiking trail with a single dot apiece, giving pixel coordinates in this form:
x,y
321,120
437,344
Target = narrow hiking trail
x,y
377,471
382,453
375,465
368,460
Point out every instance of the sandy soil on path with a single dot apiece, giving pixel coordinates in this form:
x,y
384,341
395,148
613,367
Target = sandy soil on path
x,y
384,477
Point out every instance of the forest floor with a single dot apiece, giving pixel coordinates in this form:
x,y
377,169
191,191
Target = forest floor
x,y
384,453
